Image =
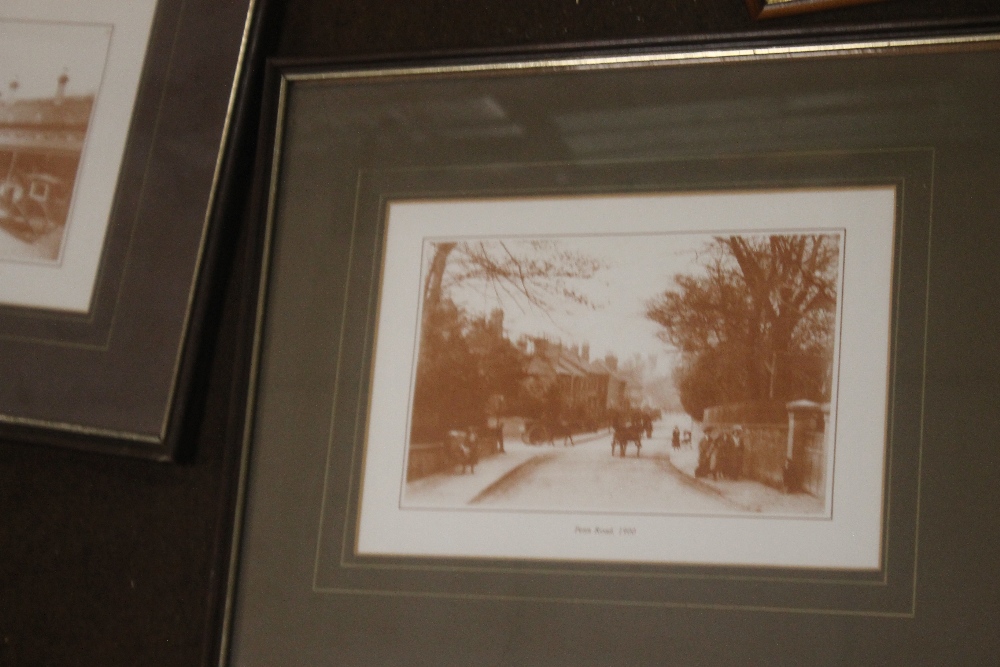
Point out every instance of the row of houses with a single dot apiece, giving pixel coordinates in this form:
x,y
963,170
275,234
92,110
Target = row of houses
x,y
584,385
58,123
585,390
41,141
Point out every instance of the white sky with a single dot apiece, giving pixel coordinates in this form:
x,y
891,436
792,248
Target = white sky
x,y
638,267
36,53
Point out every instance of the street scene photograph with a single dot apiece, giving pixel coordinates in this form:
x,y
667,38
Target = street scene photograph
x,y
675,373
50,74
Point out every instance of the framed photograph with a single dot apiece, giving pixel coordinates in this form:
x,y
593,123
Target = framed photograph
x,y
765,9
601,356
114,119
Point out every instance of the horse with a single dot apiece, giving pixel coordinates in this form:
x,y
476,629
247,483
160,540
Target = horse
x,y
624,434
560,429
547,432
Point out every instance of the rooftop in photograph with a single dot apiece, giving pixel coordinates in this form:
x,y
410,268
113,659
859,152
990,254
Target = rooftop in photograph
x,y
68,111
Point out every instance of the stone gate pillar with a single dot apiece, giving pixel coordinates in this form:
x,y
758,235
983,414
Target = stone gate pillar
x,y
805,456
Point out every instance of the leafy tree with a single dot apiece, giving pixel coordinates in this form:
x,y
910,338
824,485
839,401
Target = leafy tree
x,y
464,359
448,387
462,363
500,363
756,322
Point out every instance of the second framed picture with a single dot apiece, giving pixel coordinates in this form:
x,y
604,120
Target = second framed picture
x,y
115,126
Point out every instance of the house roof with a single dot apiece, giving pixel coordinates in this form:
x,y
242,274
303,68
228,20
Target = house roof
x,y
70,111
558,360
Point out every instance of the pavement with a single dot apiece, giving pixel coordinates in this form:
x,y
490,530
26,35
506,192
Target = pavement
x,y
588,478
747,494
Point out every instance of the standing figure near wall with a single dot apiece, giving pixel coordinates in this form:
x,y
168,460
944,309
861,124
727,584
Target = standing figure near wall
x,y
738,453
706,448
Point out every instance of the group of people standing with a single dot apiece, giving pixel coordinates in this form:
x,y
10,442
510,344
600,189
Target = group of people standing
x,y
720,453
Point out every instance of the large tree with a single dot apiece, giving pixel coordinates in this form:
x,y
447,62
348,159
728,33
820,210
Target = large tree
x,y
449,390
755,321
463,363
464,359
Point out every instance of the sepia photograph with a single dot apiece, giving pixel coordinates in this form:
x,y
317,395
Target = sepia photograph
x,y
679,377
661,373
50,75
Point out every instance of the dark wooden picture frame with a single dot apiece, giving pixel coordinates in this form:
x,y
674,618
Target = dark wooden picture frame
x,y
114,377
341,142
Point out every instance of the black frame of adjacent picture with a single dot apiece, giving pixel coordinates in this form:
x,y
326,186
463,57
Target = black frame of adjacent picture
x,y
116,378
733,118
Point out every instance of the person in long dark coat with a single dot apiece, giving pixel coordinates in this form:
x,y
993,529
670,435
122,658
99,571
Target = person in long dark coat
x,y
706,447
739,452
724,459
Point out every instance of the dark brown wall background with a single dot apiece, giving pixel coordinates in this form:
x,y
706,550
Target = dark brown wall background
x,y
112,561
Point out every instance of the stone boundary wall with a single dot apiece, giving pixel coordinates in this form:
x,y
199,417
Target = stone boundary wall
x,y
764,455
428,458
771,456
750,412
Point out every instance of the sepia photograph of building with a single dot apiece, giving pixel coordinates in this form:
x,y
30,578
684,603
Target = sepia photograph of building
x,y
673,373
50,74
